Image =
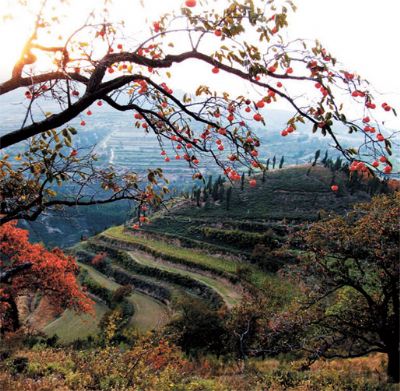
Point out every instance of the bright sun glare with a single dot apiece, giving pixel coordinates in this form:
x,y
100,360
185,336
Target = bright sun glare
x,y
16,29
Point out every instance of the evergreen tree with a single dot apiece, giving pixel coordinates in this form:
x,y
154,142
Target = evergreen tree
x,y
324,160
242,183
221,193
215,191
316,156
197,195
281,162
317,153
228,197
338,164
205,194
209,184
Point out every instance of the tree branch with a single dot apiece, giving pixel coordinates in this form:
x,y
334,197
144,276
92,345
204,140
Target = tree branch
x,y
6,276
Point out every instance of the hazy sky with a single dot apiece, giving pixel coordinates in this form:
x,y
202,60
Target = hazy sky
x,y
362,34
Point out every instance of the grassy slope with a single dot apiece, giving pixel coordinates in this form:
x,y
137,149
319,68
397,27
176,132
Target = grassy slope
x,y
149,313
224,289
71,326
287,193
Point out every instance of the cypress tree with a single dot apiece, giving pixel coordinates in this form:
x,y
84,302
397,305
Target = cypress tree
x,y
209,184
221,193
281,162
228,197
317,153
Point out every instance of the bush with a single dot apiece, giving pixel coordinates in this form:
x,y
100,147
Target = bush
x,y
153,363
197,329
271,261
19,365
241,239
120,293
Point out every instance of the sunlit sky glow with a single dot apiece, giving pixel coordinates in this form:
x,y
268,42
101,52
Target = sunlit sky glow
x,y
360,33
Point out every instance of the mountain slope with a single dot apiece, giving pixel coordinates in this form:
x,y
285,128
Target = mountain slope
x,y
218,250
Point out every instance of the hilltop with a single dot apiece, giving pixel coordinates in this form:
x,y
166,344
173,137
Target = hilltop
x,y
282,199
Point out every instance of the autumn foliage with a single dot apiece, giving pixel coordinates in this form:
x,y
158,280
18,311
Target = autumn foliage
x,y
50,273
99,258
350,281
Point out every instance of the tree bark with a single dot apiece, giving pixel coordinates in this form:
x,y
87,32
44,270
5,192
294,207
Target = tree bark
x,y
393,368
7,275
10,318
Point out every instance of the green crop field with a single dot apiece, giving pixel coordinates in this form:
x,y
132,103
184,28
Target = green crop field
x,y
192,257
70,326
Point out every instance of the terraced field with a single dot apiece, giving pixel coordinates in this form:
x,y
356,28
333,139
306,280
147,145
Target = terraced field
x,y
226,290
176,281
295,193
260,216
149,313
193,258
205,253
210,272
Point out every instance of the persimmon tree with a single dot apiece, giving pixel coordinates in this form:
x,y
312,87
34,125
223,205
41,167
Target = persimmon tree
x,y
27,268
99,64
350,288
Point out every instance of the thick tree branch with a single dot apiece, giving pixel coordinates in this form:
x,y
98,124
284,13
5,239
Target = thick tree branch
x,y
43,206
56,120
7,275
14,83
96,90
